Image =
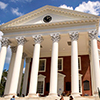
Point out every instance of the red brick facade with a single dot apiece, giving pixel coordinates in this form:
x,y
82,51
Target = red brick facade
x,y
85,71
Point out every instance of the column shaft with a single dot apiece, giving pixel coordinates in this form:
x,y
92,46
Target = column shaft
x,y
95,58
35,65
55,37
96,68
54,69
9,76
74,64
74,68
25,81
20,78
34,70
2,59
4,45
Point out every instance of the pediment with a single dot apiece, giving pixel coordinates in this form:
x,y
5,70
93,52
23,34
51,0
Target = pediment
x,y
57,14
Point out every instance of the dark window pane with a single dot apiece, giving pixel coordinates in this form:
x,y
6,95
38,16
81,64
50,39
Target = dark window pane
x,y
68,86
86,85
40,87
42,65
47,87
59,64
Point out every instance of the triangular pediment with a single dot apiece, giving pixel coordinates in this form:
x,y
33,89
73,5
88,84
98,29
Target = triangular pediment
x,y
57,14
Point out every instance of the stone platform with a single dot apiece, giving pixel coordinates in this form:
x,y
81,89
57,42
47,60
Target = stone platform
x,y
53,98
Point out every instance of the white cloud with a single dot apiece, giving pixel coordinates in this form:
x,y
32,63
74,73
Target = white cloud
x,y
8,55
66,7
3,5
89,7
16,11
24,70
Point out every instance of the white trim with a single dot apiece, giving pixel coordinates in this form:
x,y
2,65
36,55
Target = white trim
x,y
62,64
44,65
80,63
42,78
80,78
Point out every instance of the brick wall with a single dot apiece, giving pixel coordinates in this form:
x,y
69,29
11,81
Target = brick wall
x,y
85,71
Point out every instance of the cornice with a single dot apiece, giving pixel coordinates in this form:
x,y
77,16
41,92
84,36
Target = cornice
x,y
45,25
49,8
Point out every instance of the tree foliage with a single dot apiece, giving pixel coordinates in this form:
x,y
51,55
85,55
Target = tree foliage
x,y
3,82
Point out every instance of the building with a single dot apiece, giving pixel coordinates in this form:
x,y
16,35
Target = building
x,y
61,49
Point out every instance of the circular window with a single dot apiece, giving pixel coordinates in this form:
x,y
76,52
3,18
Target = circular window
x,y
47,19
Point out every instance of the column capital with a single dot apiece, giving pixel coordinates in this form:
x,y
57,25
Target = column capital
x,y
21,40
24,55
38,38
74,35
92,34
5,42
14,49
55,37
28,60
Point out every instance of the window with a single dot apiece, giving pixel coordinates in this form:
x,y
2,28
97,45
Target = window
x,y
86,85
42,65
79,63
40,87
41,84
68,86
80,83
60,64
47,86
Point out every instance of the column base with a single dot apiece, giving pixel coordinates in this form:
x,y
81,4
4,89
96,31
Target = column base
x,y
53,96
10,95
32,95
75,94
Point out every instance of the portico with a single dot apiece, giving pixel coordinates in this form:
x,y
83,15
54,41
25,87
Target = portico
x,y
67,34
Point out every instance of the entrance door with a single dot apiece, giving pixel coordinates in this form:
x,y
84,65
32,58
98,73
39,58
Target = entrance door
x,y
60,88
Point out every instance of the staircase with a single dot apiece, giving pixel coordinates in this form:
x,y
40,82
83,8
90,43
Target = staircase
x,y
53,98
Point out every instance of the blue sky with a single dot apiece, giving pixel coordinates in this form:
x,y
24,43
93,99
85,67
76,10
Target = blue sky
x,y
11,9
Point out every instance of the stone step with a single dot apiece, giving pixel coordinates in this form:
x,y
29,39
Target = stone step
x,y
53,98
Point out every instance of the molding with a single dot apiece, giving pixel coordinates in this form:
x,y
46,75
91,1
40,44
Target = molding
x,y
47,25
48,9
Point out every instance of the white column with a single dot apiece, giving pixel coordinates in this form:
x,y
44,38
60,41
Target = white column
x,y
17,64
35,64
95,58
54,65
9,76
4,45
25,81
74,64
21,73
91,68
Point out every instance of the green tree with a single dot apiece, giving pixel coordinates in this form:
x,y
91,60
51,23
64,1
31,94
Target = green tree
x,y
3,82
